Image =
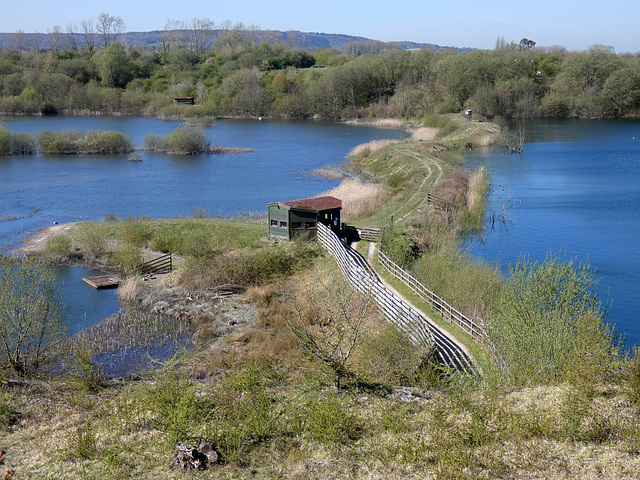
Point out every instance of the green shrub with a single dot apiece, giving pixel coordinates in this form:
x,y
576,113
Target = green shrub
x,y
175,409
390,357
398,247
196,244
92,240
466,282
92,142
83,444
246,267
182,141
328,421
445,126
166,241
16,144
539,316
135,232
58,248
129,256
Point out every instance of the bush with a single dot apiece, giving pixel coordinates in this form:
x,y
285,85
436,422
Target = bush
x,y
182,141
541,314
327,421
389,357
398,247
92,142
135,232
465,282
58,248
16,144
246,267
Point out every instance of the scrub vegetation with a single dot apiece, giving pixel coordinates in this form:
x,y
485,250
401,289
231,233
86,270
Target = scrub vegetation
x,y
291,373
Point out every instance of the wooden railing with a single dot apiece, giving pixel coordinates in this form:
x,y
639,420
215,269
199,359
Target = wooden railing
x,y
439,202
364,279
161,264
470,326
369,233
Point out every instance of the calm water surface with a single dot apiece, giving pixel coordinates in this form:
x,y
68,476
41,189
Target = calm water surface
x,y
575,189
37,190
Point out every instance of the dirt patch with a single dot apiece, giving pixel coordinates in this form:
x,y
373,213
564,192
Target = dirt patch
x,y
36,244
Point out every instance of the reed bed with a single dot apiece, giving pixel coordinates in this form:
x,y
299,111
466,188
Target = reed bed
x,y
125,342
371,147
359,199
424,134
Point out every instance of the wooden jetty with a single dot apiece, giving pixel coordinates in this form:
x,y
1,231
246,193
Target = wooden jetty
x,y
102,281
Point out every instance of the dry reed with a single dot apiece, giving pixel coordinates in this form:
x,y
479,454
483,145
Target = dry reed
x,y
129,289
477,188
371,147
424,133
359,199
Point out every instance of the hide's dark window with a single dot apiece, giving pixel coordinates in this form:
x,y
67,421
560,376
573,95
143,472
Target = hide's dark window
x,y
283,224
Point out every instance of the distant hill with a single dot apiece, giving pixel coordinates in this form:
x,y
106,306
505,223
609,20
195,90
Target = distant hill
x,y
304,40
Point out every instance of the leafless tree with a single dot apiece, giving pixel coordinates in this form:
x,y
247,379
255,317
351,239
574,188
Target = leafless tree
x,y
293,37
201,33
70,39
54,38
173,35
89,33
328,321
17,41
109,27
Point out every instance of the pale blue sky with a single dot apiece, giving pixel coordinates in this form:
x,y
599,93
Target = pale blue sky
x,y
574,24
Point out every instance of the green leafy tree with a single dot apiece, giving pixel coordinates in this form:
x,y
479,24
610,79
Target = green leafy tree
x,y
114,66
30,312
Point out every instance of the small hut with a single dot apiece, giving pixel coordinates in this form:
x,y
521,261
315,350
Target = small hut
x,y
294,218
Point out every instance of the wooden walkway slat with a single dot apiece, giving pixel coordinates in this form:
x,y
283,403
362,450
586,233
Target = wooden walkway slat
x,y
102,281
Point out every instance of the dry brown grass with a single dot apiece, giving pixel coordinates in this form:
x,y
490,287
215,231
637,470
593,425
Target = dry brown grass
x,y
381,122
371,147
476,188
424,134
129,290
359,199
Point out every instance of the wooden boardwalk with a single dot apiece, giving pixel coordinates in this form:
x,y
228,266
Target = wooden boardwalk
x,y
419,328
102,281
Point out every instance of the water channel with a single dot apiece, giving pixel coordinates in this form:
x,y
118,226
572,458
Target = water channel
x,y
575,189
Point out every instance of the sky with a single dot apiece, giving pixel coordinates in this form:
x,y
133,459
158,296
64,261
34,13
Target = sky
x,y
573,24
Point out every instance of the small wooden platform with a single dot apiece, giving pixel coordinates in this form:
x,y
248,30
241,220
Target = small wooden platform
x,y
102,281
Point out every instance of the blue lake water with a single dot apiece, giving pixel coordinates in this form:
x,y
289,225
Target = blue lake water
x,y
37,190
574,189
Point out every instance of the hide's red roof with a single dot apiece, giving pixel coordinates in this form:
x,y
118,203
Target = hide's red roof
x,y
317,203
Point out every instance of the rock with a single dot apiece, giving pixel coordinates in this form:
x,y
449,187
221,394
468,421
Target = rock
x,y
194,458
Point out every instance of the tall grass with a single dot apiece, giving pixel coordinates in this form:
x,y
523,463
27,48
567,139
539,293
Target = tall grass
x,y
16,143
359,199
463,281
371,147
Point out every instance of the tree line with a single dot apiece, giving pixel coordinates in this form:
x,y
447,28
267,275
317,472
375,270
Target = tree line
x,y
246,72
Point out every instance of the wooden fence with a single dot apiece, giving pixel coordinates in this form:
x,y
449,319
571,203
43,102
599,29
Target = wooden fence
x,y
439,202
161,264
473,328
364,279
